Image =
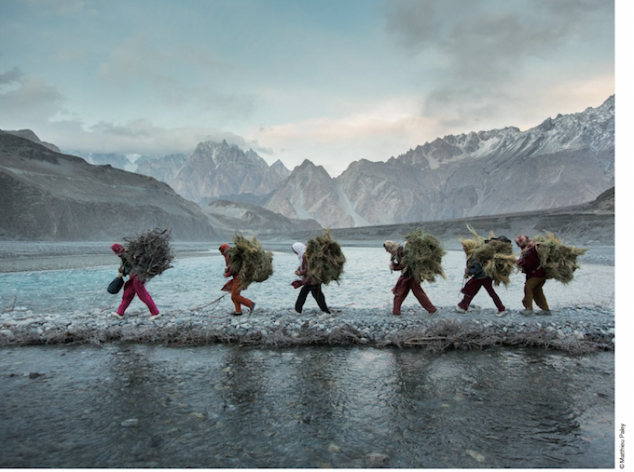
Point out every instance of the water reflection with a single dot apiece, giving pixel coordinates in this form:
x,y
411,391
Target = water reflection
x,y
225,406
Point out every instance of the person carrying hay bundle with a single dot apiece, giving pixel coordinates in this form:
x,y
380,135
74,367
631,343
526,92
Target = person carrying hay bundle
x,y
530,264
418,259
325,259
558,260
144,257
478,277
246,262
307,283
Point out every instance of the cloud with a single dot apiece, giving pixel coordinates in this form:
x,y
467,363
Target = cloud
x,y
139,136
377,133
491,51
13,75
29,102
181,76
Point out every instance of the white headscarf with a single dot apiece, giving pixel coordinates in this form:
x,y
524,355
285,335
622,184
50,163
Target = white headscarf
x,y
299,249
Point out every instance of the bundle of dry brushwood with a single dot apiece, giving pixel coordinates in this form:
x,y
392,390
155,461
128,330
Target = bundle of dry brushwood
x,y
149,254
558,260
250,261
495,255
422,255
325,259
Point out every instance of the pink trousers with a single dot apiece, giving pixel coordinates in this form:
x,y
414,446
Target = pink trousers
x,y
135,287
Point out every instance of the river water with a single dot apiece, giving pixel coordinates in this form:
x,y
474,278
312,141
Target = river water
x,y
366,283
225,406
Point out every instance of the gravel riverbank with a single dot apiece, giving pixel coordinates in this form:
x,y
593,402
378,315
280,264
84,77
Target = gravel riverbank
x,y
577,330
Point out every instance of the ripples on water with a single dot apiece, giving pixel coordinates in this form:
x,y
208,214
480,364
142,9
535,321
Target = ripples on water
x,y
367,283
226,406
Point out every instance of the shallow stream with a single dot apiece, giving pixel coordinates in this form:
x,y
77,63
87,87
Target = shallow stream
x,y
226,406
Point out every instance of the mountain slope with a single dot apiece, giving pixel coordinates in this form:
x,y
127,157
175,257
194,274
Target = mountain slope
x,y
589,223
31,136
309,192
563,161
233,216
164,169
51,196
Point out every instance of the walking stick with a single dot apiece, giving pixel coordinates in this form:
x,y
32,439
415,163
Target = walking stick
x,y
208,304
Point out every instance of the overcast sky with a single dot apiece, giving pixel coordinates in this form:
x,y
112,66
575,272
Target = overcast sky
x,y
328,80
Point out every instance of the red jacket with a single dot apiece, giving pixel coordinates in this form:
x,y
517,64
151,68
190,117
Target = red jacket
x,y
303,271
224,250
529,263
406,272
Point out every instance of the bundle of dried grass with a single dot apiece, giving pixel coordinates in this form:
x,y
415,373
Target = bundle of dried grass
x,y
250,261
325,259
422,255
494,255
558,260
149,254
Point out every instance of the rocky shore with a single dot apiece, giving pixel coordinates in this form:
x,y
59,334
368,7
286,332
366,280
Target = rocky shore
x,y
575,329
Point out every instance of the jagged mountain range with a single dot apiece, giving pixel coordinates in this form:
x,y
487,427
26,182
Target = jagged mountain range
x,y
217,169
47,195
211,172
563,161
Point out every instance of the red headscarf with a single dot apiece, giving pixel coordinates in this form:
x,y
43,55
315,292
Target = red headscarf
x,y
224,248
523,242
118,249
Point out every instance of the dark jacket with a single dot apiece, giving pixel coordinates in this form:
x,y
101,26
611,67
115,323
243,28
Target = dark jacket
x,y
126,267
475,269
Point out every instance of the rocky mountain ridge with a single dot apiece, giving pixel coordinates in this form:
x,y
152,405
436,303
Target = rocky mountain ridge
x,y
212,171
47,195
310,193
563,161
216,169
31,136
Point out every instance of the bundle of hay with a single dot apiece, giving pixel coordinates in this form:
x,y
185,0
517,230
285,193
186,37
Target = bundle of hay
x,y
422,255
558,260
250,261
325,259
495,256
149,254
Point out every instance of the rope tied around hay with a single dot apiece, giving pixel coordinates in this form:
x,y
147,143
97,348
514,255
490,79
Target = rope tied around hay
x,y
422,255
149,254
249,261
325,259
558,260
